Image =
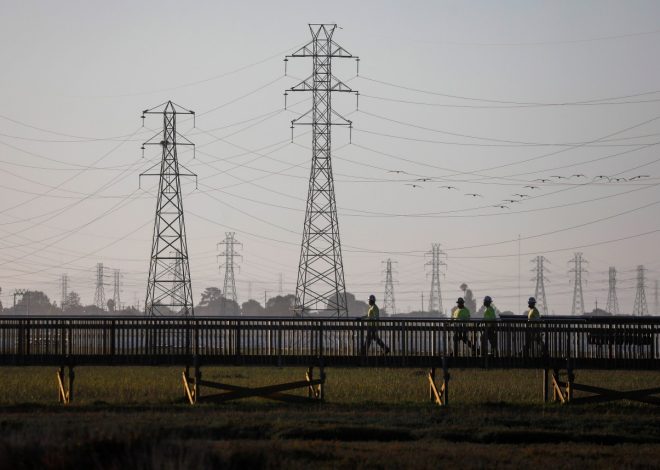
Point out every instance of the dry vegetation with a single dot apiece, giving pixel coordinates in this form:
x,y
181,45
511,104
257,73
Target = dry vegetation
x,y
135,418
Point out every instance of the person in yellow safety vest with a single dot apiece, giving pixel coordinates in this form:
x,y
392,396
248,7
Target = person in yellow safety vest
x,y
533,337
461,313
372,317
490,332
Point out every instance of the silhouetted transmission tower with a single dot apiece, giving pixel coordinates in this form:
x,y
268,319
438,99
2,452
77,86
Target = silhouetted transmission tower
x,y
435,297
116,297
577,270
99,293
612,301
169,289
640,307
320,285
656,310
64,284
539,291
389,306
229,253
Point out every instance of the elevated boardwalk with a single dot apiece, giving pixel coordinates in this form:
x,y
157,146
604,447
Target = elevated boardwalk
x,y
552,344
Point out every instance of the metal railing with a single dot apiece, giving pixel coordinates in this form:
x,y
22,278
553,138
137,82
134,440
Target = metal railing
x,y
607,343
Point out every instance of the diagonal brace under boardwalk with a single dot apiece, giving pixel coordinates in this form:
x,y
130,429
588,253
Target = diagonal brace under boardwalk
x,y
65,394
273,392
602,395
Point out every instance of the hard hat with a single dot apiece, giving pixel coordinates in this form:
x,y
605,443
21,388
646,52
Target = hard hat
x,y
372,297
488,299
531,300
460,300
463,286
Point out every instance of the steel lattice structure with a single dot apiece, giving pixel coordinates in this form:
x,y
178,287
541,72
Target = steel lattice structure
x,y
229,289
320,286
99,294
435,296
539,291
578,296
64,284
640,307
612,300
389,305
169,289
116,296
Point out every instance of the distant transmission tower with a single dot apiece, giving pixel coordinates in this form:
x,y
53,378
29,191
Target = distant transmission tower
x,y
117,287
539,291
64,284
435,296
577,270
656,310
640,308
320,285
229,253
169,291
99,295
389,306
612,300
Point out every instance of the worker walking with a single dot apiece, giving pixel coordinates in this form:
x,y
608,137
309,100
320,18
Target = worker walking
x,y
533,337
460,313
490,333
373,314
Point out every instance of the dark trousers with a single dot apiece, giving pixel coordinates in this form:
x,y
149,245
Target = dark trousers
x,y
491,337
372,335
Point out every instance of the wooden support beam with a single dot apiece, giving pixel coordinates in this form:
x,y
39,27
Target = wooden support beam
x,y
314,388
439,396
65,394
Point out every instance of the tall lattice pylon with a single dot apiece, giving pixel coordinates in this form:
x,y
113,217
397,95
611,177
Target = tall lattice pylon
x,y
577,270
320,286
168,291
640,307
435,296
116,294
656,310
612,300
389,305
99,293
229,254
539,292
64,285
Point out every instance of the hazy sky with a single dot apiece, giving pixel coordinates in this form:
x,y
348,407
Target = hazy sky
x,y
484,96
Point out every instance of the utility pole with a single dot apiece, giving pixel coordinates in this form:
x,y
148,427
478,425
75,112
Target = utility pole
x,y
612,305
640,308
168,291
117,287
577,270
435,296
229,253
64,285
539,291
99,294
320,285
389,307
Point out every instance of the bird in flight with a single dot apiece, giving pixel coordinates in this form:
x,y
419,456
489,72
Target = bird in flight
x,y
531,187
639,177
542,180
558,177
619,179
395,171
521,195
413,185
603,177
512,201
448,187
473,195
423,179
501,206
579,175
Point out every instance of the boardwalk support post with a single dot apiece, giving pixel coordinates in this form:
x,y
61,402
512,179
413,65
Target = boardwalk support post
x,y
65,394
439,396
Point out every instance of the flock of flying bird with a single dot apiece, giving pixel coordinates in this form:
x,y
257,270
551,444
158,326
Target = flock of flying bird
x,y
552,179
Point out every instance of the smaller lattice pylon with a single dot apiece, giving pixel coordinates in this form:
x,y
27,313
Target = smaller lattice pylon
x,y
640,306
578,271
435,296
99,293
612,305
539,292
389,304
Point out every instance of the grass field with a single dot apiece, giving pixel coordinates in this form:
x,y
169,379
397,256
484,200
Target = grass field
x,y
378,418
